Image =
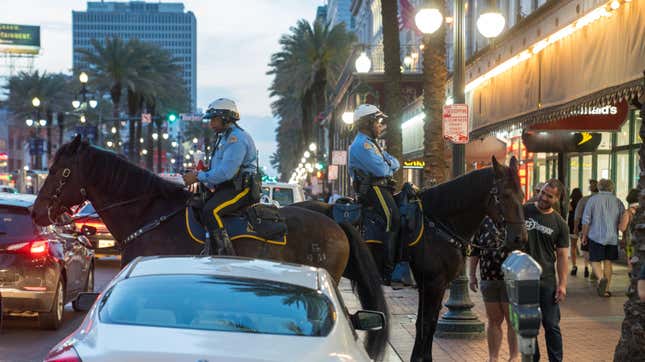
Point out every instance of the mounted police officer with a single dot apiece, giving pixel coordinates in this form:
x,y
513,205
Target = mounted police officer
x,y
371,170
233,172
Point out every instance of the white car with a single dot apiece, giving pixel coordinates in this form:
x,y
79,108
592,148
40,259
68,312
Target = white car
x,y
284,193
192,308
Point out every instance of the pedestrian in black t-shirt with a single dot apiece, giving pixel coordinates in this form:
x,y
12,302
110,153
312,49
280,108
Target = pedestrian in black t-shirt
x,y
548,244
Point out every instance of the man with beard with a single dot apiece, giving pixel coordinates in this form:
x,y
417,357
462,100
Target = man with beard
x,y
548,244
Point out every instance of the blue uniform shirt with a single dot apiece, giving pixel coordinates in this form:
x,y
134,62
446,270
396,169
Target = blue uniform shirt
x,y
235,152
364,155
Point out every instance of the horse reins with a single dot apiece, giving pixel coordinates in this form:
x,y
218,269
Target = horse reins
x,y
142,230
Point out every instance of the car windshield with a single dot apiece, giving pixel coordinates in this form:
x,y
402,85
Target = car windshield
x,y
15,223
218,304
283,196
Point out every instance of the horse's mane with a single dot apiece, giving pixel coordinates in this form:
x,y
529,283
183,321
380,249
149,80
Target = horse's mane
x,y
114,172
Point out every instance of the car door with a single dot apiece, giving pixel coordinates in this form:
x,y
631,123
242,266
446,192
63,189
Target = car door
x,y
73,258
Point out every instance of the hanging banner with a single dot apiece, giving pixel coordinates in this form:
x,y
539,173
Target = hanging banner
x,y
339,158
455,123
332,173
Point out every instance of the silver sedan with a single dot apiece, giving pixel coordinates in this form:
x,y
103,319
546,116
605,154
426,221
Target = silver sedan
x,y
217,309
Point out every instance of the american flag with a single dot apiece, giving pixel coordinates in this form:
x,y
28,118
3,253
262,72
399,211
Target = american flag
x,y
406,16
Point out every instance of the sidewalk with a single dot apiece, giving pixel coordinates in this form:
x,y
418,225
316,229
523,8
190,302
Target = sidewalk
x,y
590,324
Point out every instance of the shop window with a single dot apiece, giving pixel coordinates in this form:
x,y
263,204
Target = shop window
x,y
636,166
587,168
638,120
622,136
605,142
604,166
574,167
622,174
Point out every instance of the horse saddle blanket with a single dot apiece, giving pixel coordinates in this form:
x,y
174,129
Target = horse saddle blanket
x,y
260,222
346,212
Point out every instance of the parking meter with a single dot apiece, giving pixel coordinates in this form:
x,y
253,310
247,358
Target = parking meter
x,y
522,277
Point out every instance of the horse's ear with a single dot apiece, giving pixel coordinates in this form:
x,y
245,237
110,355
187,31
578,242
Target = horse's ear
x,y
497,167
513,165
75,144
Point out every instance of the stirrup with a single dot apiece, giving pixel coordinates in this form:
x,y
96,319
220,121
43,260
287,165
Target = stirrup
x,y
224,245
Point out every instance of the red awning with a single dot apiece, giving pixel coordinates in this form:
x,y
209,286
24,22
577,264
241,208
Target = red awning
x,y
607,118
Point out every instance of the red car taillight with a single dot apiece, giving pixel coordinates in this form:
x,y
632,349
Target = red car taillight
x,y
97,224
65,353
35,248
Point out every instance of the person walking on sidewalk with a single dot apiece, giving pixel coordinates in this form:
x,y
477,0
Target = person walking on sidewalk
x,y
548,244
600,224
577,218
493,289
575,197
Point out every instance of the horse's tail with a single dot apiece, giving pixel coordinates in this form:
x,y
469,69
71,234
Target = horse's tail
x,y
366,281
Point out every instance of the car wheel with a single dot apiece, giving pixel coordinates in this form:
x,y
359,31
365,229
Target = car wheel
x,y
89,287
53,319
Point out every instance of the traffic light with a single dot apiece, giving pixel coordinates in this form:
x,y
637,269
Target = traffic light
x,y
171,117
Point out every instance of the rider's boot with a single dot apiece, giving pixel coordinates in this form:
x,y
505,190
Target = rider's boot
x,y
223,242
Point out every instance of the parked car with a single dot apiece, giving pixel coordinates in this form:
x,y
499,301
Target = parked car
x,y
41,268
102,240
8,189
191,308
284,193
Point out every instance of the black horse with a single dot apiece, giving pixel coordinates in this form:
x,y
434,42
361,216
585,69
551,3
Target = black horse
x,y
453,212
128,197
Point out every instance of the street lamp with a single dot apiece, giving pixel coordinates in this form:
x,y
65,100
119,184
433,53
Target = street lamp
x,y
459,321
307,154
29,122
363,63
313,147
83,77
35,102
348,117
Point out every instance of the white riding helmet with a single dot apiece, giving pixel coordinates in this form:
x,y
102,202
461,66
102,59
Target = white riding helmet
x,y
223,108
367,112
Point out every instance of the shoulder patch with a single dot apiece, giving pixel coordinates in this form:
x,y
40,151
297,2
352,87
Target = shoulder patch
x,y
367,145
232,139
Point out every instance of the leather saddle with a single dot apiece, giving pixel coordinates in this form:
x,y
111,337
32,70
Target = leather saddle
x,y
258,221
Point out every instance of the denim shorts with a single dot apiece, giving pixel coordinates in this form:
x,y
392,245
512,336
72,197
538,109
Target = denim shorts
x,y
494,291
599,252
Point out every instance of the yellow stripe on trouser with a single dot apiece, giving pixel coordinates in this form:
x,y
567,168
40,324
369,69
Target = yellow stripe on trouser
x,y
386,209
228,203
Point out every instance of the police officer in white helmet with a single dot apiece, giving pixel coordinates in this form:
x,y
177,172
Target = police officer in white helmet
x,y
232,173
371,170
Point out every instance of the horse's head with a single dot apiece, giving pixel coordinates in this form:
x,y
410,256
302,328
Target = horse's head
x,y
505,206
63,187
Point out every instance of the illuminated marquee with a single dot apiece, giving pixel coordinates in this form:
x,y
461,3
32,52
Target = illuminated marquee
x,y
21,39
416,164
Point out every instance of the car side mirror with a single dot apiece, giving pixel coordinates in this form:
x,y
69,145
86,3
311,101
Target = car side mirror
x,y
88,230
84,301
276,203
367,320
85,242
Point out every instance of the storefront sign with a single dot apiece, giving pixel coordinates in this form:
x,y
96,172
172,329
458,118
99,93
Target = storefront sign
x,y
455,123
332,172
22,36
339,157
416,164
607,118
561,141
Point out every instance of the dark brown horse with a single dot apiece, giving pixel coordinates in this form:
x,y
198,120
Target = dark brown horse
x,y
456,208
127,197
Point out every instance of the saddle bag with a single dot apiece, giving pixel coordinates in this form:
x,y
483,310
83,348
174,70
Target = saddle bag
x,y
346,212
266,221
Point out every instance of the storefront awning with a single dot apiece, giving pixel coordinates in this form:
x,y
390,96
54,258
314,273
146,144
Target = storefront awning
x,y
608,118
597,66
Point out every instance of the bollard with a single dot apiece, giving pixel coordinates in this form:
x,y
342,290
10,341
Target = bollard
x,y
522,277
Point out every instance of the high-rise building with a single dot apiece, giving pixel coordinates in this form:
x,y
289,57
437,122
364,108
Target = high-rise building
x,y
339,11
164,24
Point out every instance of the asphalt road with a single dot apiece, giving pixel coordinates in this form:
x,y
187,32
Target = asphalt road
x,y
22,340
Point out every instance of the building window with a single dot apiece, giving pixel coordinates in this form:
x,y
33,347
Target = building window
x,y
622,136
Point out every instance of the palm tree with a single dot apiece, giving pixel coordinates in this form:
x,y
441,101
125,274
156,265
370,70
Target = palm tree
x,y
435,152
49,88
112,62
308,63
392,60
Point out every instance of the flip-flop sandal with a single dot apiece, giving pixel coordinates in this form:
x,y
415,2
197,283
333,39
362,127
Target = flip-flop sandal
x,y
602,287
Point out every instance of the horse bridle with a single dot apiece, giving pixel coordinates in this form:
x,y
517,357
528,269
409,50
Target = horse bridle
x,y
54,200
494,197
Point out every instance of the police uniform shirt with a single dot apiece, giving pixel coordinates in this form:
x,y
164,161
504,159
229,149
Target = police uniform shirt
x,y
366,156
235,152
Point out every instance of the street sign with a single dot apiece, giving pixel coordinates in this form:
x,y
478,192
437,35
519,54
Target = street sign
x,y
455,123
190,117
332,173
339,157
36,146
146,118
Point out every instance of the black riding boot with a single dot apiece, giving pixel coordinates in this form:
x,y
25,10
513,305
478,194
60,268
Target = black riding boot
x,y
223,242
388,258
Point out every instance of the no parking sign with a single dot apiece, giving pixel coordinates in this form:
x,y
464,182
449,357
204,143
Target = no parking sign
x,y
455,123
